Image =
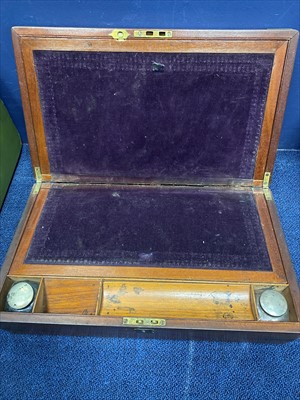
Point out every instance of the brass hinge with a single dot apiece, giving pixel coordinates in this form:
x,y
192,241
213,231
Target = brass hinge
x,y
38,178
144,321
266,181
119,34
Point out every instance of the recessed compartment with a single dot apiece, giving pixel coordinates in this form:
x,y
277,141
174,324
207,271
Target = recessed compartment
x,y
268,306
68,296
208,301
33,284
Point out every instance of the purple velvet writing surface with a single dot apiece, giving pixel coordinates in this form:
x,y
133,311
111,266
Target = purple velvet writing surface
x,y
159,227
153,116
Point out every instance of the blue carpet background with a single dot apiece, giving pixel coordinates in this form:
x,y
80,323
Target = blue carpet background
x,y
62,367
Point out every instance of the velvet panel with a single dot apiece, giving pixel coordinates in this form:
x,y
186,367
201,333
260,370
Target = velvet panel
x,y
158,227
153,116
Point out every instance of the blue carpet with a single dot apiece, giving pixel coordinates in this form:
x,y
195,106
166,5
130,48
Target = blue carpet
x,y
60,367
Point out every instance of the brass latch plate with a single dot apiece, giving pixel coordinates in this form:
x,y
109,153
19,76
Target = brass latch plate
x,y
150,34
144,321
123,34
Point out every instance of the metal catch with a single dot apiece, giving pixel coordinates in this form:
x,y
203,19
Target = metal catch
x,y
144,321
150,34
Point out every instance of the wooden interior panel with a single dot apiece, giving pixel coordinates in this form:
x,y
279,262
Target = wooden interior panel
x,y
174,300
5,288
269,234
40,301
285,256
267,128
71,296
178,45
292,312
282,98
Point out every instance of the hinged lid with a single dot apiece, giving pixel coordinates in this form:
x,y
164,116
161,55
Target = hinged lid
x,y
146,106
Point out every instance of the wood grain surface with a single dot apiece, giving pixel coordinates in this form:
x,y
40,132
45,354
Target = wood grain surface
x,y
175,300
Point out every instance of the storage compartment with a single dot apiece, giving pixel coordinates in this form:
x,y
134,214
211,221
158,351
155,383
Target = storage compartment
x,y
270,307
68,296
208,301
9,282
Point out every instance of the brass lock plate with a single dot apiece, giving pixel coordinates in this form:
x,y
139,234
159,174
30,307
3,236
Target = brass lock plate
x,y
144,321
150,34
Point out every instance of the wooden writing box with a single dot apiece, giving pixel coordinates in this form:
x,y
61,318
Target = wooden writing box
x,y
153,152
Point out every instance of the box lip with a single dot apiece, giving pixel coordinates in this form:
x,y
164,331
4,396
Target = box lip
x,y
269,135
284,33
172,323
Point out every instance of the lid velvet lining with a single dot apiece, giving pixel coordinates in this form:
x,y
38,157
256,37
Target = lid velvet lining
x,y
153,116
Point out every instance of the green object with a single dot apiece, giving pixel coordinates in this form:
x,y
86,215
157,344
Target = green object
x,y
10,148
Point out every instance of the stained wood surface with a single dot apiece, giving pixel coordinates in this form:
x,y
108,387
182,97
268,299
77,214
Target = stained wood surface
x,y
270,34
71,296
271,104
282,99
285,256
269,235
175,300
36,112
75,321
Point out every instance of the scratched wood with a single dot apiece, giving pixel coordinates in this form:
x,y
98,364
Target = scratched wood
x,y
173,300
